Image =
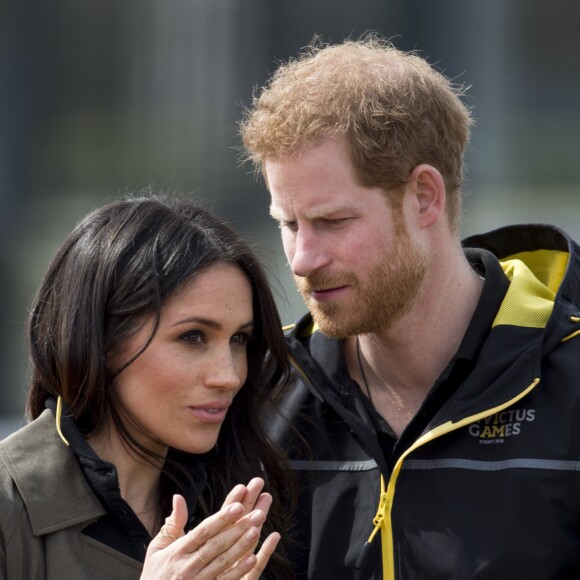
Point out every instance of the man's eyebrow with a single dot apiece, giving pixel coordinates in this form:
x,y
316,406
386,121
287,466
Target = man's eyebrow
x,y
322,212
276,213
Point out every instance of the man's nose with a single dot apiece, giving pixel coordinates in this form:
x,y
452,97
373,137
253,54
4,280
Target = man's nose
x,y
309,254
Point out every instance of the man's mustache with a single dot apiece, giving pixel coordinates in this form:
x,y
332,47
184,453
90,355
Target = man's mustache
x,y
319,283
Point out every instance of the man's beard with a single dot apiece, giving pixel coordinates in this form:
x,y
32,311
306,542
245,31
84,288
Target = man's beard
x,y
385,293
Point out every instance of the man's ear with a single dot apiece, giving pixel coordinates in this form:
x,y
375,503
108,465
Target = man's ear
x,y
429,194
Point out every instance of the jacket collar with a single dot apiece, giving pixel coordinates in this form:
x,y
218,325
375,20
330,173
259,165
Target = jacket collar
x,y
550,253
39,462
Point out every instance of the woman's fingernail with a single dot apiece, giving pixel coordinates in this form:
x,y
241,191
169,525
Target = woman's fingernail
x,y
250,560
236,509
257,517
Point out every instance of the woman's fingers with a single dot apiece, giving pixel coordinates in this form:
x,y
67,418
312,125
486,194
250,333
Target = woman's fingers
x,y
247,495
240,570
236,495
263,556
238,561
218,533
238,555
209,549
175,523
229,548
213,525
253,490
221,546
251,566
264,502
173,527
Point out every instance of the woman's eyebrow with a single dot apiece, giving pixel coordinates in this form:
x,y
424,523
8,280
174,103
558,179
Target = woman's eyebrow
x,y
211,323
199,320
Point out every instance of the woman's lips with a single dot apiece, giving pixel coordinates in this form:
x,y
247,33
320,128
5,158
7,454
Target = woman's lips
x,y
210,412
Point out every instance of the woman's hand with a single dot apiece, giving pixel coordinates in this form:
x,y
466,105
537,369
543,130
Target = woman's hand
x,y
222,546
251,499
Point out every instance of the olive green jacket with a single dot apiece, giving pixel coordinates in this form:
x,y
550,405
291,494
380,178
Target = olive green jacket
x,y
45,502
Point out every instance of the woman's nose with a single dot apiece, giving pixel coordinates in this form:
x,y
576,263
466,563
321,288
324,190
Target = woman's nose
x,y
227,371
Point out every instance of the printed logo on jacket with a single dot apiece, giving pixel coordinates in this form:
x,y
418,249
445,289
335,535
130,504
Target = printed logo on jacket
x,y
498,427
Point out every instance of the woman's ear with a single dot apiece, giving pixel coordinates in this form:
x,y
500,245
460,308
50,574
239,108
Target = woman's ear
x,y
428,189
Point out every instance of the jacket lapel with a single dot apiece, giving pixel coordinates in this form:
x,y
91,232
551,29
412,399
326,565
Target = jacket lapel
x,y
56,495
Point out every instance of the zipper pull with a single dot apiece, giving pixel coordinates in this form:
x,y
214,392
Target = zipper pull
x,y
380,516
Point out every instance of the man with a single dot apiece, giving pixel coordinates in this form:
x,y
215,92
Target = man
x,y
435,417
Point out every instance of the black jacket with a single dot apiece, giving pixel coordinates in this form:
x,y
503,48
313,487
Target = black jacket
x,y
490,486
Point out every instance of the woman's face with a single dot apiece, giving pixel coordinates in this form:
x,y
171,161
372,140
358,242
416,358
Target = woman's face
x,y
179,390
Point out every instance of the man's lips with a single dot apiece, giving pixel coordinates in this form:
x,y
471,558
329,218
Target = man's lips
x,y
326,293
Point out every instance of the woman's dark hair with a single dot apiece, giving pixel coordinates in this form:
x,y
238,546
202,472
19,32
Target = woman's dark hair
x,y
117,266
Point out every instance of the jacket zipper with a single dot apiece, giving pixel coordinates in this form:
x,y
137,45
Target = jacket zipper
x,y
382,520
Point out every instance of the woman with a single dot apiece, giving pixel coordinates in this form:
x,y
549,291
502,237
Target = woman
x,y
155,346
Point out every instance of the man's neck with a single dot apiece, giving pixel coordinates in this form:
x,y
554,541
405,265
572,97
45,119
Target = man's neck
x,y
397,367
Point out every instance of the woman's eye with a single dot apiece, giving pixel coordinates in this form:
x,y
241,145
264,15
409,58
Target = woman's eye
x,y
240,338
193,337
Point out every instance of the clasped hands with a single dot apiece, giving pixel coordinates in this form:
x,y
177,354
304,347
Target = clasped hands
x,y
221,547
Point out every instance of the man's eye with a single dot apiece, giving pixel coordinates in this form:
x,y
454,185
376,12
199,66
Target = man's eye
x,y
292,225
336,221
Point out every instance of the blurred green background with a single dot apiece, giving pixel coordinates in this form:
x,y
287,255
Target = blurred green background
x,y
100,98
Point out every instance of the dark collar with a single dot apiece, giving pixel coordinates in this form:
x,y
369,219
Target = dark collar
x,y
102,477
493,292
